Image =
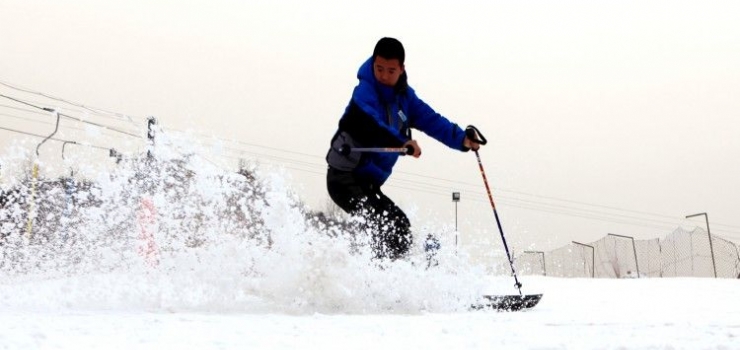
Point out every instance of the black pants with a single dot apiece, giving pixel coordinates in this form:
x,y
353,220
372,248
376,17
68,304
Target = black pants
x,y
391,229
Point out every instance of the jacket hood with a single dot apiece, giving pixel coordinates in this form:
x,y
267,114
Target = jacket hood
x,y
366,74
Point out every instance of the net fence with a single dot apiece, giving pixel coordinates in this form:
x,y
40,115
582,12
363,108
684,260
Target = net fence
x,y
680,254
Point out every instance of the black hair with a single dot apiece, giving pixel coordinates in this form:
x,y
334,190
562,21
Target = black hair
x,y
390,48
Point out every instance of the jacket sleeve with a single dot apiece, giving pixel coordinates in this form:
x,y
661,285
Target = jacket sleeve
x,y
364,120
424,118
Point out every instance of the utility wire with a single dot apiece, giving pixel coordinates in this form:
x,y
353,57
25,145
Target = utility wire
x,y
23,109
214,138
71,117
457,182
52,138
95,110
523,203
527,204
27,104
519,202
39,121
463,183
21,132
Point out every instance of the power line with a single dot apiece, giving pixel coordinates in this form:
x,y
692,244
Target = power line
x,y
498,189
463,183
52,138
251,144
102,126
39,121
23,109
22,132
524,204
534,205
95,110
529,204
27,104
71,117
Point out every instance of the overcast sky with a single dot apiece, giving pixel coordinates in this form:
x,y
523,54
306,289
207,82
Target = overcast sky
x,y
602,116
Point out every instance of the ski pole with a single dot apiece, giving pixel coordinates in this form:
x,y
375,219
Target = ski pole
x,y
345,150
472,133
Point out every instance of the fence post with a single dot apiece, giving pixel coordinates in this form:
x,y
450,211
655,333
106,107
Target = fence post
x,y
32,200
709,235
593,258
544,264
737,263
634,250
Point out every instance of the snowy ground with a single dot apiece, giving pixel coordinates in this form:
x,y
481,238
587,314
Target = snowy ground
x,y
680,313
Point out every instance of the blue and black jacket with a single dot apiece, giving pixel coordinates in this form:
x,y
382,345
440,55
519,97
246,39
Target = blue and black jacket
x,y
383,116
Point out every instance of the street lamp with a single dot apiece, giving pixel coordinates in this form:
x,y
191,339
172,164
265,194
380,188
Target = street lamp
x,y
456,198
711,248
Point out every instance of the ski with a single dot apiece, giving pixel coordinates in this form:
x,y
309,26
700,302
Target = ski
x,y
508,302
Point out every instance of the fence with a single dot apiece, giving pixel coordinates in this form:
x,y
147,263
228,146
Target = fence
x,y
681,253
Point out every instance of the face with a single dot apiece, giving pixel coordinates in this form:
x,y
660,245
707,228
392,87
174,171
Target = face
x,y
386,71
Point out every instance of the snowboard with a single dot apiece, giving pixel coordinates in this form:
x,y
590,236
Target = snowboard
x,y
508,302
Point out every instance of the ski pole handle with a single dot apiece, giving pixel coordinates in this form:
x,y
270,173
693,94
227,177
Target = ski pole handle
x,y
409,150
474,135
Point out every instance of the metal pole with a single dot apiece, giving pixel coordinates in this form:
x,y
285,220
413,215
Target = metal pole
x,y
456,231
456,198
593,259
56,128
634,250
151,122
544,264
31,202
709,235
737,264
711,244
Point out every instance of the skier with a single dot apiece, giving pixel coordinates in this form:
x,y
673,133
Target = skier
x,y
381,113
